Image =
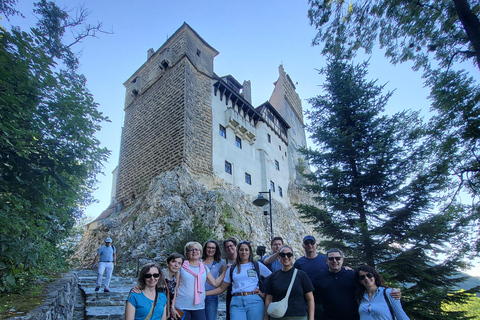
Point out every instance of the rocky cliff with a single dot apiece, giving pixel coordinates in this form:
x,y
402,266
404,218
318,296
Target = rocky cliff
x,y
177,208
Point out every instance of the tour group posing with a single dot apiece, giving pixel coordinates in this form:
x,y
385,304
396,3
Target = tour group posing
x,y
314,287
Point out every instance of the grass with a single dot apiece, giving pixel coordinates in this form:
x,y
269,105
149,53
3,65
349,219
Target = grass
x,y
20,304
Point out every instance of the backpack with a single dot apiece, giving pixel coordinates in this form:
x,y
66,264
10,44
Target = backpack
x,y
262,281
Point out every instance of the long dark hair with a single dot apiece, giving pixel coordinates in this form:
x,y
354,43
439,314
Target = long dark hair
x,y
250,257
379,281
141,277
217,257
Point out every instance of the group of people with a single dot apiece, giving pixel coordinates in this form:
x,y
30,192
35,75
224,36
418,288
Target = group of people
x,y
316,286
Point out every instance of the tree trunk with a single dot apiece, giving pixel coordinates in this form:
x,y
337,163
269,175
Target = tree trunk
x,y
471,24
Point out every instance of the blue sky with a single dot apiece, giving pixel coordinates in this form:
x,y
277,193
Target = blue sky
x,y
253,38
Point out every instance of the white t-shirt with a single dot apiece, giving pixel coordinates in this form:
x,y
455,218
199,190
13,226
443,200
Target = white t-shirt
x,y
246,280
186,289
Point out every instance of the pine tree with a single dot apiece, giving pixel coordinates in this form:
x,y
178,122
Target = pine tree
x,y
378,196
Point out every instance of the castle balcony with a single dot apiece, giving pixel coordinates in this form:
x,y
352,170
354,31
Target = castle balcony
x,y
242,128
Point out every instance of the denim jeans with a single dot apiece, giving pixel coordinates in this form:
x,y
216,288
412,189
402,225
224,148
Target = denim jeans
x,y
211,307
194,314
246,307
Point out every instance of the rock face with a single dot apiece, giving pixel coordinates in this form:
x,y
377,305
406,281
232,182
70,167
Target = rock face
x,y
177,208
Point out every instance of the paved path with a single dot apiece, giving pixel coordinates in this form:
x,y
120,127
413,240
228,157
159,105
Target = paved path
x,y
91,304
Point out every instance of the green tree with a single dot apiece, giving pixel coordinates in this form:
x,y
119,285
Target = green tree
x,y
437,36
377,192
48,151
471,308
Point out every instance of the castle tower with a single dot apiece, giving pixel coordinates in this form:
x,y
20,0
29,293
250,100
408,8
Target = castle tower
x,y
168,114
289,105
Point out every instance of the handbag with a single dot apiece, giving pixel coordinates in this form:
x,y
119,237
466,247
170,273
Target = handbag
x,y
279,308
389,304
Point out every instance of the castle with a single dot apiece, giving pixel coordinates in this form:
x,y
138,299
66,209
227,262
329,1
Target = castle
x,y
178,112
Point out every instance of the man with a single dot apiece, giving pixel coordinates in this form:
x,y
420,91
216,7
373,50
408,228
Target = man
x,y
336,287
108,258
312,263
271,261
230,248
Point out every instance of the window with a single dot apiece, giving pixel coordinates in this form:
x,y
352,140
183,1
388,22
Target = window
x,y
228,167
280,147
248,178
223,131
277,165
198,53
238,142
280,191
269,139
272,186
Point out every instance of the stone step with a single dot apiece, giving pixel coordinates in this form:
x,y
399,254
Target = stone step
x,y
116,312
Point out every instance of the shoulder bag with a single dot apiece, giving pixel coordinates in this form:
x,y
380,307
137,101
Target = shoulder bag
x,y
389,304
279,308
149,315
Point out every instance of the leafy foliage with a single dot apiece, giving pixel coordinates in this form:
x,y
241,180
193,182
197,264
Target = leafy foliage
x,y
48,153
471,308
437,36
378,190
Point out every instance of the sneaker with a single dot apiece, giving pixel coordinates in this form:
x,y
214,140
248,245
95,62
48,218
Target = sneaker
x,y
97,288
106,290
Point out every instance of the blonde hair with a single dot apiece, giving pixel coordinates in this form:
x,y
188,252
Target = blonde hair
x,y
189,246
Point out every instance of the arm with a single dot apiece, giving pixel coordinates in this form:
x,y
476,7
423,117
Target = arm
x,y
114,258
174,312
268,300
311,305
219,289
95,260
129,311
271,259
215,282
398,310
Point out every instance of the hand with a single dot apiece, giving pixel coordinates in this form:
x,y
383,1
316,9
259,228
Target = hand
x,y
260,293
174,313
136,289
348,268
396,293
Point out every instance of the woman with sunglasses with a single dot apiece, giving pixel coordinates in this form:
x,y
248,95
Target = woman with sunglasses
x,y
212,258
301,294
247,299
151,302
374,295
190,290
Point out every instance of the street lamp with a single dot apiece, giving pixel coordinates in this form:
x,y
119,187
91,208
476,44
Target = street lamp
x,y
261,201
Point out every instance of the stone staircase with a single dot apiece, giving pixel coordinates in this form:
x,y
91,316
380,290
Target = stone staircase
x,y
91,304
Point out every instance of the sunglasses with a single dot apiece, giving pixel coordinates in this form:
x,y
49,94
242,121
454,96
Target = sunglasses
x,y
149,275
244,242
368,275
285,254
309,243
334,258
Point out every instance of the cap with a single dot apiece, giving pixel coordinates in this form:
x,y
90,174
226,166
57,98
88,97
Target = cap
x,y
110,240
309,238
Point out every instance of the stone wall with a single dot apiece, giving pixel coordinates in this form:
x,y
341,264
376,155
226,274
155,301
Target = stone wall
x,y
168,114
59,303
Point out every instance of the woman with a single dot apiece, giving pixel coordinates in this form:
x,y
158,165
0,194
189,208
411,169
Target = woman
x,y
301,294
247,299
212,258
174,263
373,303
150,303
190,290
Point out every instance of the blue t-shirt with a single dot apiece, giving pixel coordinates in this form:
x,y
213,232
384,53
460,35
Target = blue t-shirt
x,y
106,253
274,266
143,305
